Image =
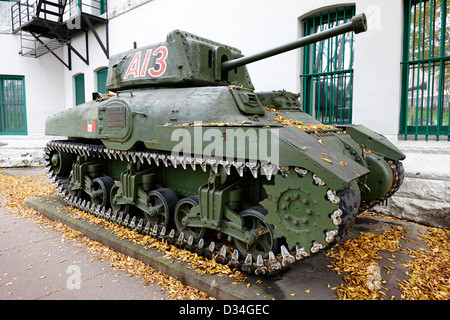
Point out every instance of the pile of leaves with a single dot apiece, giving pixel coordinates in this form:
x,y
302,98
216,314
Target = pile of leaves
x,y
298,124
212,124
16,188
358,259
429,272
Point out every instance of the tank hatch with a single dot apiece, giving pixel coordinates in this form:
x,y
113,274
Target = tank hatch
x,y
183,60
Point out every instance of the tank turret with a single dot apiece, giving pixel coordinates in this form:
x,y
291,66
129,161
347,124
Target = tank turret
x,y
185,59
185,143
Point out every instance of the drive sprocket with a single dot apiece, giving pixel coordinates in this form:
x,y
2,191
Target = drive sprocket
x,y
303,209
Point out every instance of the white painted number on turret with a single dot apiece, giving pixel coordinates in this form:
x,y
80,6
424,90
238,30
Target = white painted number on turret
x,y
157,69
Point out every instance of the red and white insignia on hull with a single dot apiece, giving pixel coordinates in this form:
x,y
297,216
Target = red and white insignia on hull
x,y
89,126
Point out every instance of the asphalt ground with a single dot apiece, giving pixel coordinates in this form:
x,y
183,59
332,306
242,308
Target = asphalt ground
x,y
37,263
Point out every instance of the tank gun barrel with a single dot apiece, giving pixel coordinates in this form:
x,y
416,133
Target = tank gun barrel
x,y
357,24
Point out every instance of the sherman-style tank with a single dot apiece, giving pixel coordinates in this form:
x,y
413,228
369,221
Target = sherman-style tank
x,y
187,151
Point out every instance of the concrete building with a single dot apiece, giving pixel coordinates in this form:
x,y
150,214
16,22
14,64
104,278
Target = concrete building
x,y
392,78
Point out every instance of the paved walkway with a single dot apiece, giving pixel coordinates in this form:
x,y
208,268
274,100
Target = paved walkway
x,y
38,263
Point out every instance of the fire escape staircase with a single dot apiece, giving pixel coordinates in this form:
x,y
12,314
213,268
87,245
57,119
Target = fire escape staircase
x,y
48,25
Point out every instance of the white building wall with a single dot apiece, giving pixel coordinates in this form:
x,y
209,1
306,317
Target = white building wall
x,y
43,83
44,96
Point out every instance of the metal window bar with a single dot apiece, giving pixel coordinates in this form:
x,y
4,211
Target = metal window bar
x,y
328,70
426,70
12,105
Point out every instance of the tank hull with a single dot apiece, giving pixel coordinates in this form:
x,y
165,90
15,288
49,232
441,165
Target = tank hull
x,y
260,179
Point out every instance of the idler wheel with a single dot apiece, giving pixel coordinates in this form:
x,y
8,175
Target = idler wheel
x,y
379,180
60,162
161,204
182,209
254,224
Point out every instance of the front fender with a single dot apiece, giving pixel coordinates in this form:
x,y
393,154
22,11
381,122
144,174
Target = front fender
x,y
375,142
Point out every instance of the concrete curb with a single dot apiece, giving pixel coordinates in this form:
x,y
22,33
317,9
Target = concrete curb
x,y
217,287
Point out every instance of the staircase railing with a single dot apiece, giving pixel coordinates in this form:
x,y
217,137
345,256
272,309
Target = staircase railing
x,y
24,11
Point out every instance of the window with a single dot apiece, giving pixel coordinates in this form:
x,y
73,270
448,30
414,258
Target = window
x,y
79,89
5,13
426,70
328,69
101,80
102,4
13,119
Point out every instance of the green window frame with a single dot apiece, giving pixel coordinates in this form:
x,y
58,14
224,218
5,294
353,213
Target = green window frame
x,y
13,116
328,69
425,101
102,6
79,89
101,80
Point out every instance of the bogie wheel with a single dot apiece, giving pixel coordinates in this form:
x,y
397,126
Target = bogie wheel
x,y
254,222
101,188
161,204
116,191
183,208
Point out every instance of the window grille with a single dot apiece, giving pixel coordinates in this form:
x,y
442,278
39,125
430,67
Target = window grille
x,y
13,119
79,89
101,81
426,70
328,69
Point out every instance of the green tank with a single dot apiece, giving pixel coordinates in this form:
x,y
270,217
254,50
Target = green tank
x,y
187,151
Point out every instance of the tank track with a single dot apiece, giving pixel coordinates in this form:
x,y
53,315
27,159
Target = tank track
x,y
343,217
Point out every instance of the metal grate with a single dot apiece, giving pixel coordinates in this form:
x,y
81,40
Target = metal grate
x,y
328,70
33,46
426,70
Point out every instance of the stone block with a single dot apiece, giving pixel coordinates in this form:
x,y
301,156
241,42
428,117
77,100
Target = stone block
x,y
427,212
425,189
